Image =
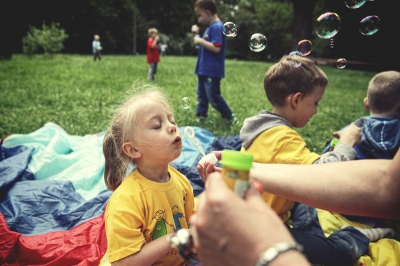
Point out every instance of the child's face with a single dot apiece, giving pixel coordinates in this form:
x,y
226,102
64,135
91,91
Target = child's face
x,y
307,107
203,16
156,136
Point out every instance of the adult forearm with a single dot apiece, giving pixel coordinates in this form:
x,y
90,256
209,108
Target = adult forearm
x,y
362,187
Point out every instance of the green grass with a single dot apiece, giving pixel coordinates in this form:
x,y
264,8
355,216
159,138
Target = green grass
x,y
76,93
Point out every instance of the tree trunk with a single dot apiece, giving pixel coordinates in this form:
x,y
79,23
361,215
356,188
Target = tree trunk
x,y
134,27
303,20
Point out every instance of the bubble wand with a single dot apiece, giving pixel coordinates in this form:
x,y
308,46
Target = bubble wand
x,y
189,132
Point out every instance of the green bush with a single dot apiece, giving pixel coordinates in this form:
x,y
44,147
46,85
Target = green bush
x,y
49,39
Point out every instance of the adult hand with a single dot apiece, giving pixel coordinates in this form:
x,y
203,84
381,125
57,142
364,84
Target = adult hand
x,y
351,135
228,230
209,167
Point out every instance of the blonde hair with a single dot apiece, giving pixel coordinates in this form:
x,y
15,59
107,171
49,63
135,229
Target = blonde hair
x,y
153,30
292,74
120,130
384,92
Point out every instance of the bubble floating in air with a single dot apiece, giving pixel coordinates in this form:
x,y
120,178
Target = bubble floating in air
x,y
186,102
354,4
369,25
341,63
304,47
328,25
293,62
257,42
229,29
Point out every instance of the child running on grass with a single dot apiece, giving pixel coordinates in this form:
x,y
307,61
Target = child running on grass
x,y
153,199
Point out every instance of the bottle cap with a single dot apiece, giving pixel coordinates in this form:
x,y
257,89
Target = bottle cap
x,y
334,142
237,160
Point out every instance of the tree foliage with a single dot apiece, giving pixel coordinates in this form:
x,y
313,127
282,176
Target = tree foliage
x,y
49,39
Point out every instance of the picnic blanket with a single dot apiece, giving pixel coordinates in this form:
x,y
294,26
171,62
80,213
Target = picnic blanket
x,y
52,198
53,195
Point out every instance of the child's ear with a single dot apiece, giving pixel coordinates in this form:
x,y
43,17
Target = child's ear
x,y
366,104
129,149
295,98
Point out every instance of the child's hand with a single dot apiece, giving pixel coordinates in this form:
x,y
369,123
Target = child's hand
x,y
350,135
209,167
197,39
195,29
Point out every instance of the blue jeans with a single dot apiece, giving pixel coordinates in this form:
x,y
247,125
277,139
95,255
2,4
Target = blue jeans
x,y
342,247
152,71
209,91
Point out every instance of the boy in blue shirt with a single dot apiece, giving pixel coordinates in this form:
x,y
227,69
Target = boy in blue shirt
x,y
210,66
381,129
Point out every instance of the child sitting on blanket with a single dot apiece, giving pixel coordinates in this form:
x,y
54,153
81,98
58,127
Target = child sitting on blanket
x,y
154,199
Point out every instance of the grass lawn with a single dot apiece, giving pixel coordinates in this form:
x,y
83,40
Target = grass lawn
x,y
77,93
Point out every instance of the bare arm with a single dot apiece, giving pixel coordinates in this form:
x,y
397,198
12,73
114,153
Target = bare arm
x,y
206,44
362,187
148,255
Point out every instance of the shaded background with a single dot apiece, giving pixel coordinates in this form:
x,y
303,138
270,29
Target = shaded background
x,y
284,23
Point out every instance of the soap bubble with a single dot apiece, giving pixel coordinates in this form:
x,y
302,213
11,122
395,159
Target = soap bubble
x,y
229,29
369,25
186,102
257,42
304,47
341,63
295,53
328,25
354,4
331,43
294,63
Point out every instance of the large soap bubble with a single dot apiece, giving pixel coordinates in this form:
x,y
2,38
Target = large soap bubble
x,y
229,29
257,42
328,25
369,25
304,47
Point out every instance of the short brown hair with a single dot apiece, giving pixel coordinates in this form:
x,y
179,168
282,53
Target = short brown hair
x,y
292,74
209,5
384,92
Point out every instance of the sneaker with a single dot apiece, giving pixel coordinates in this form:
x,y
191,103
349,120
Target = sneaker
x,y
232,121
201,120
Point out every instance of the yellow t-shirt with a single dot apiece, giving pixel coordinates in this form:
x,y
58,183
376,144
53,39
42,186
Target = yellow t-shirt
x,y
141,210
280,144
